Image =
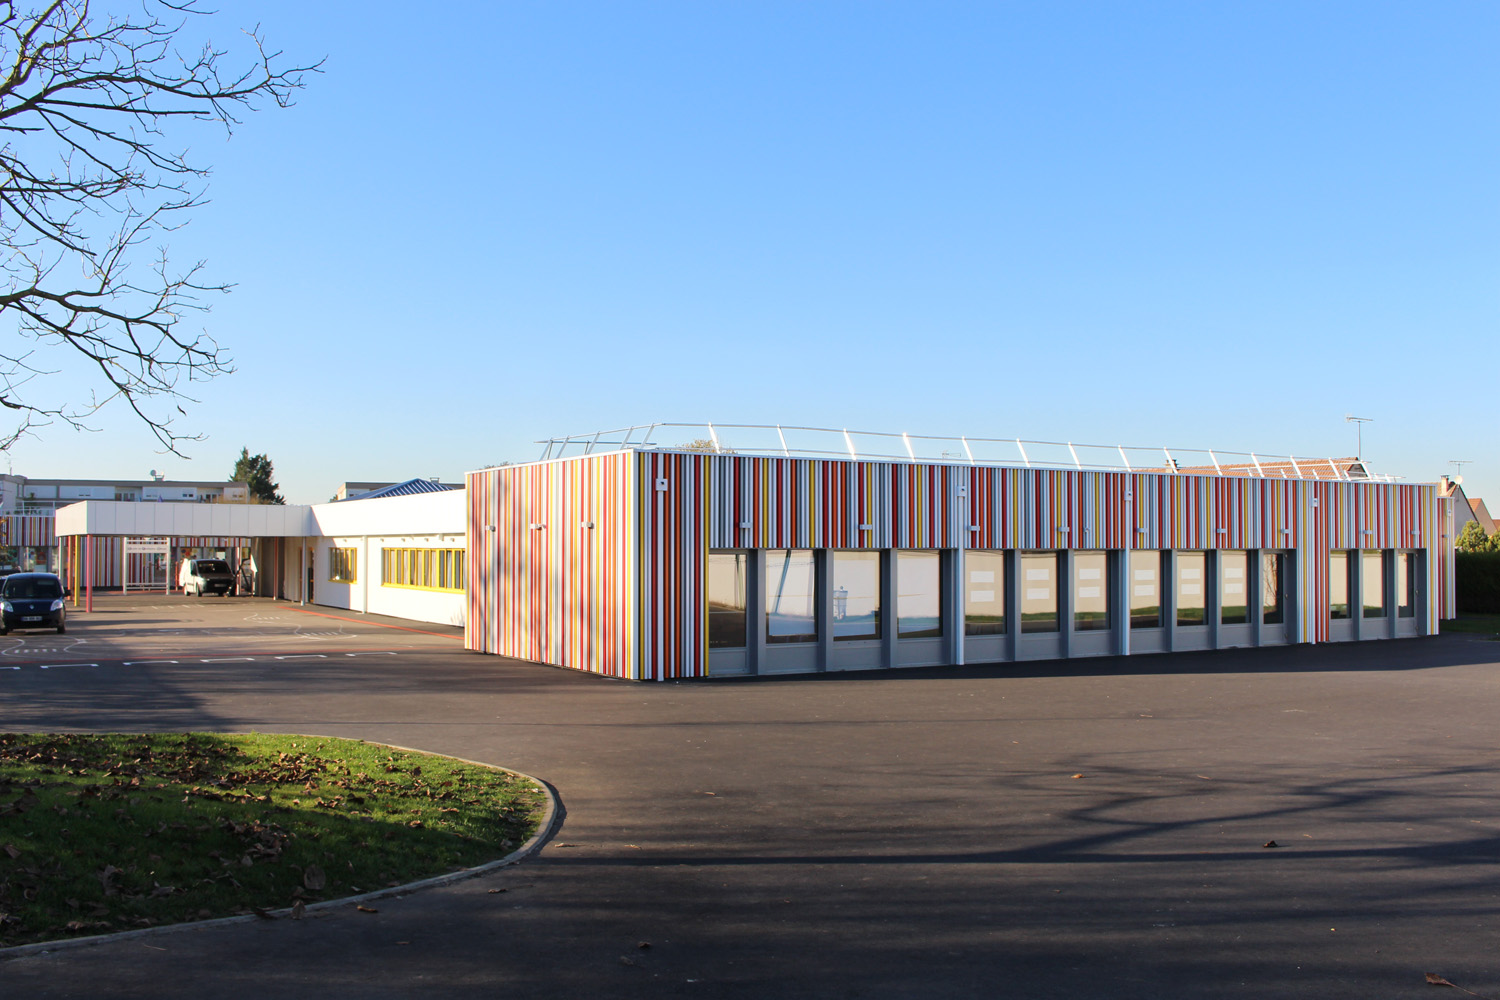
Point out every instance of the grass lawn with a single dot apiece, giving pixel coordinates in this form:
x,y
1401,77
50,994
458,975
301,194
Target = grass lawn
x,y
105,833
1479,624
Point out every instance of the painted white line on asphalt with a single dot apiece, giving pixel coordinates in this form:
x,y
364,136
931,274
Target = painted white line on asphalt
x,y
49,666
142,663
304,656
382,652
231,659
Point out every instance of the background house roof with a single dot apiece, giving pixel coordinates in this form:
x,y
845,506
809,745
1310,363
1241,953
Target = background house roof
x,y
410,487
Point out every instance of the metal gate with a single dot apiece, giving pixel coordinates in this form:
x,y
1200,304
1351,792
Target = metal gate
x,y
146,564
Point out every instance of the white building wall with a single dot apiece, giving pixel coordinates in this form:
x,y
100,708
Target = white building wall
x,y
428,520
423,605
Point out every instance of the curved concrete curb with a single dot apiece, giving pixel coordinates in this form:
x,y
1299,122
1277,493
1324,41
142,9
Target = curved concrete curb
x,y
550,820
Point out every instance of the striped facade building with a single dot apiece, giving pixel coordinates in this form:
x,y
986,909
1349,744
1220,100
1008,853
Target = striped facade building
x,y
659,564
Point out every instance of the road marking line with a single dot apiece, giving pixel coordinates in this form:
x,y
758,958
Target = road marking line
x,y
49,666
382,652
230,659
142,663
304,656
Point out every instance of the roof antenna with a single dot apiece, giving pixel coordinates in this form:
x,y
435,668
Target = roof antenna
x,y
1359,423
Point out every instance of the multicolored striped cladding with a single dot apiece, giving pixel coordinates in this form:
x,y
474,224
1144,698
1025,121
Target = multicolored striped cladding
x,y
552,567
626,597
35,530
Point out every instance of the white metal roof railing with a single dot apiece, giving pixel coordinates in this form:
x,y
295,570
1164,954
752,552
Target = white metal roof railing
x,y
792,441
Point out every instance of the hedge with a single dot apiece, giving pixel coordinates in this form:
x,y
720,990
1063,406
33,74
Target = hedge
x,y
1477,581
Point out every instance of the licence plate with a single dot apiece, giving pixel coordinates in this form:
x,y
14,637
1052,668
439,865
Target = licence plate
x,y
32,618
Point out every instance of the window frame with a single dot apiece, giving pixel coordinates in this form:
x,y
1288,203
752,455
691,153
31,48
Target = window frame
x,y
1366,609
1041,626
912,557
1406,573
742,613
1242,556
851,556
1280,558
1091,624
768,601
440,569
1157,581
1179,556
343,564
997,594
1340,558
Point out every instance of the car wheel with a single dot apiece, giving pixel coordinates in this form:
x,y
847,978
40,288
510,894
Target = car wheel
x,y
4,631
61,629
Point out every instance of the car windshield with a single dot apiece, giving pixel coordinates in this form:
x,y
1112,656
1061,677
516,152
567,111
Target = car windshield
x,y
212,566
33,587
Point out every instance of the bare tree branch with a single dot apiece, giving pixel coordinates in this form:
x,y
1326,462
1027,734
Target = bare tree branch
x,y
87,185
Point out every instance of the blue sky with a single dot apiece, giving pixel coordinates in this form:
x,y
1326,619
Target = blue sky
x,y
1199,225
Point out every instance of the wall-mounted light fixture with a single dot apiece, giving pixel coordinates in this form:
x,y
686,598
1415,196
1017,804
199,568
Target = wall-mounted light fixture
x,y
490,527
585,524
535,525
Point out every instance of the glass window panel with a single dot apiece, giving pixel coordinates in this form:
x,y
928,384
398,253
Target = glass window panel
x,y
726,599
984,593
1190,586
1272,588
1145,589
1090,591
342,565
1372,583
919,605
791,604
1039,592
856,595
1406,584
1338,585
1234,579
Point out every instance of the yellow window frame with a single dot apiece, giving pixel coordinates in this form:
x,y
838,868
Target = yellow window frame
x,y
433,569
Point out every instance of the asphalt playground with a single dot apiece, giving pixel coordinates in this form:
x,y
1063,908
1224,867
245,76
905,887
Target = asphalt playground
x,y
1075,829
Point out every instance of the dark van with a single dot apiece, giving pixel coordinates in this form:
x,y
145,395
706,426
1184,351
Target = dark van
x,y
32,600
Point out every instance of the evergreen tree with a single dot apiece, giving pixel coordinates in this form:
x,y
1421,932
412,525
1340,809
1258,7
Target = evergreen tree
x,y
1472,538
257,471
